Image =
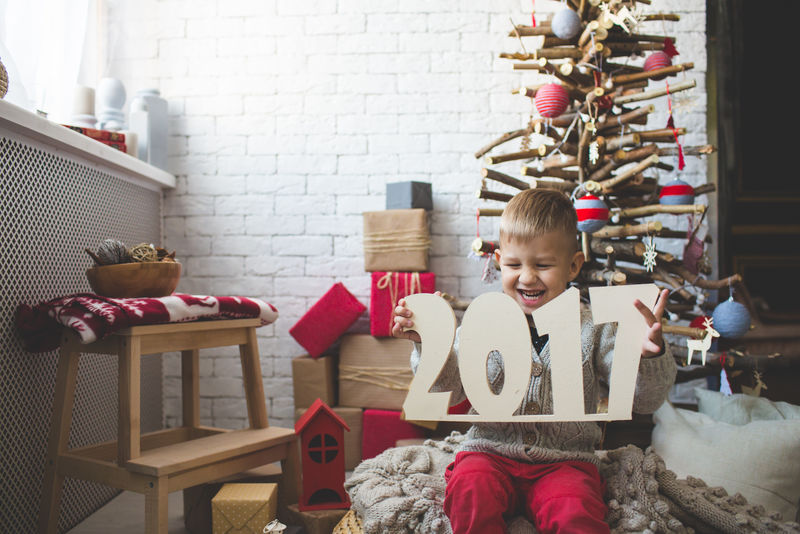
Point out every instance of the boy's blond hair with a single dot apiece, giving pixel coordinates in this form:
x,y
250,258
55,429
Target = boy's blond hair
x,y
534,212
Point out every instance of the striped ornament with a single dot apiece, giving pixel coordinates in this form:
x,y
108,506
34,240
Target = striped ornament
x,y
675,193
551,100
592,213
657,60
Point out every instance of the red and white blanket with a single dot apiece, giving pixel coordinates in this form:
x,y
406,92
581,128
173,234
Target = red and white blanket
x,y
93,317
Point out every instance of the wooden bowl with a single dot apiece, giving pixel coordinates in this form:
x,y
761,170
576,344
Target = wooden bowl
x,y
138,279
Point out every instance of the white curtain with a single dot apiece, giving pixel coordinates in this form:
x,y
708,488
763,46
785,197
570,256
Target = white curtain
x,y
48,47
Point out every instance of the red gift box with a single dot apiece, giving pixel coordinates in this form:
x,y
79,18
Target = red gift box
x,y
327,319
387,289
382,428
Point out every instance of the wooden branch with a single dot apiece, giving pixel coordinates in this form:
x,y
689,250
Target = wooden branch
x,y
490,212
608,185
627,230
557,162
647,95
620,158
508,136
542,28
704,189
504,179
561,52
687,331
676,285
664,135
485,194
646,75
659,208
625,249
688,150
605,276
512,156
698,281
572,176
636,116
480,246
592,27
662,16
617,142
558,185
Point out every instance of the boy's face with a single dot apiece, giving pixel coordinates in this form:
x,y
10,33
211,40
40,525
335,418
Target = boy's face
x,y
536,271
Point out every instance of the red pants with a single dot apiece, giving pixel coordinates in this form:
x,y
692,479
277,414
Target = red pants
x,y
484,490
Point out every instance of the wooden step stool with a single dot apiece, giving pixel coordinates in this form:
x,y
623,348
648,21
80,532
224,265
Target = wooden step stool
x,y
160,462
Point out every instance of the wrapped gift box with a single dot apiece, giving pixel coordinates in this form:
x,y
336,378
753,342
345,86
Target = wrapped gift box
x,y
387,289
316,521
352,439
409,195
327,320
396,240
197,499
383,429
314,378
374,372
243,508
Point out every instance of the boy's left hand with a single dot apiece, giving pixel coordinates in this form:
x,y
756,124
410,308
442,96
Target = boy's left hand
x,y
653,343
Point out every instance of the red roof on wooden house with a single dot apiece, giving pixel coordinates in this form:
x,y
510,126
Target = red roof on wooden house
x,y
316,407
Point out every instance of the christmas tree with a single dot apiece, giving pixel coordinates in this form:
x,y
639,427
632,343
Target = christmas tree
x,y
588,135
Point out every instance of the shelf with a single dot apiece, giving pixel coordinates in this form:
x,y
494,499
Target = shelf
x,y
22,122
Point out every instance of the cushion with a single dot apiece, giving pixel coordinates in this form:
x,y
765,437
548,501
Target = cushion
x,y
759,459
740,409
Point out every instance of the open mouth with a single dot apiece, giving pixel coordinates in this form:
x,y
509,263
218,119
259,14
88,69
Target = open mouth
x,y
531,296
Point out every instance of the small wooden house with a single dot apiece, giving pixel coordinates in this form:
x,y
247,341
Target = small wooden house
x,y
321,434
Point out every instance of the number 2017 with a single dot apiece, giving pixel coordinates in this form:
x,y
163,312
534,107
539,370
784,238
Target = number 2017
x,y
495,322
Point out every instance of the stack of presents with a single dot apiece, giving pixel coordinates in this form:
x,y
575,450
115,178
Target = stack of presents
x,y
350,387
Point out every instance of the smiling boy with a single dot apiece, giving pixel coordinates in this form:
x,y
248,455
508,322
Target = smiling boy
x,y
546,470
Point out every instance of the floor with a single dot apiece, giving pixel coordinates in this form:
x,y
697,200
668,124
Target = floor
x,y
126,514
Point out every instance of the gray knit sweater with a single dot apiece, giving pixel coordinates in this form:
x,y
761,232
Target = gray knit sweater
x,y
548,442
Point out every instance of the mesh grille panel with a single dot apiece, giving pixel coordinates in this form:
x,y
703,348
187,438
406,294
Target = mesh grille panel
x,y
51,208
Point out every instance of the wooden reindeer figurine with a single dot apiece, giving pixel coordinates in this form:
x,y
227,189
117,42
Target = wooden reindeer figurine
x,y
702,344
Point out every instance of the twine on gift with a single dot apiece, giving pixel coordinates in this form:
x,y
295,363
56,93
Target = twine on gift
x,y
396,378
396,240
412,285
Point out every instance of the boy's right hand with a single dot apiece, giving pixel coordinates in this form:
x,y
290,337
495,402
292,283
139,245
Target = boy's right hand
x,y
402,320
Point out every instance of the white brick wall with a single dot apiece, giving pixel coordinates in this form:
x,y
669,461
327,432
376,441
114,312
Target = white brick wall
x,y
289,117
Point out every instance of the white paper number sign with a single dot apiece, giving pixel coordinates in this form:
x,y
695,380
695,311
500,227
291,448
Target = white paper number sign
x,y
495,322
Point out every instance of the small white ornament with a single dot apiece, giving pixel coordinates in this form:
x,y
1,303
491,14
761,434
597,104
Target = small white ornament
x,y
274,527
650,254
702,344
594,152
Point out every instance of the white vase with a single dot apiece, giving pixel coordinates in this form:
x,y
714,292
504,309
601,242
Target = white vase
x,y
152,131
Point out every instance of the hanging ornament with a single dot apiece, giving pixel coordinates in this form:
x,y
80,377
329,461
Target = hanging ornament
x,y
676,192
731,318
592,213
702,345
755,391
669,47
594,152
724,382
551,100
657,60
566,24
650,254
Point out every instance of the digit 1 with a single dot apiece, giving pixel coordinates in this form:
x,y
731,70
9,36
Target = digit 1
x,y
560,319
615,303
435,323
494,321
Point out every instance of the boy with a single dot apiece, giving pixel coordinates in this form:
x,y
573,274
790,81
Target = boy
x,y
546,470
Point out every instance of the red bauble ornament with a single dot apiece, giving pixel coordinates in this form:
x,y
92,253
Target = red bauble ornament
x,y
551,100
592,213
657,60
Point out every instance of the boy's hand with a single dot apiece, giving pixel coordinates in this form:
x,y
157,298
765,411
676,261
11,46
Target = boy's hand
x,y
402,319
653,344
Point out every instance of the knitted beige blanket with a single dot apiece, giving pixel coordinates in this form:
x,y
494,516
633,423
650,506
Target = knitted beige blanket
x,y
401,491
